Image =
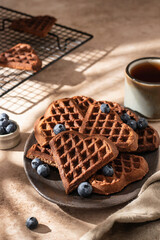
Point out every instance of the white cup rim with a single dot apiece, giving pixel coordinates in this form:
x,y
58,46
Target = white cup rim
x,y
137,80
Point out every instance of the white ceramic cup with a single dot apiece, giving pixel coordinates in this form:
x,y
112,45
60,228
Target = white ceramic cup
x,y
142,97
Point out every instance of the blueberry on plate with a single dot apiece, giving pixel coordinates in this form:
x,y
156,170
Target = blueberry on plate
x,y
31,223
132,124
84,189
107,171
11,127
35,163
59,128
105,108
3,116
142,123
2,131
125,117
43,170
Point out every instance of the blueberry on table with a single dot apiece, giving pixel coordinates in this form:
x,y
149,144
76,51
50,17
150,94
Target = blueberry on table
x,y
125,117
43,170
132,124
3,116
31,223
2,131
142,123
105,108
108,171
59,128
35,163
11,127
84,189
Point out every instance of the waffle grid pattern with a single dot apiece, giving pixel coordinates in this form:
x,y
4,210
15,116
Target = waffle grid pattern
x,y
148,139
109,126
127,168
79,157
64,112
83,102
21,56
60,41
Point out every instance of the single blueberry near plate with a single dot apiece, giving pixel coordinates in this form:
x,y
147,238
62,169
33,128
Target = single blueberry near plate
x,y
32,223
84,189
35,163
43,170
125,117
108,171
11,127
142,123
59,128
2,131
105,108
3,116
132,124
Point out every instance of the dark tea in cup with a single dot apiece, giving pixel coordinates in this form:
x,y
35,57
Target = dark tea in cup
x,y
146,72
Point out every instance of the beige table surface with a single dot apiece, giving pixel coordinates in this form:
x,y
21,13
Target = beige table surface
x,y
123,30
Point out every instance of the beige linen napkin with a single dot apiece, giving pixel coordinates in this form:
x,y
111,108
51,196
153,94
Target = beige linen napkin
x,y
133,221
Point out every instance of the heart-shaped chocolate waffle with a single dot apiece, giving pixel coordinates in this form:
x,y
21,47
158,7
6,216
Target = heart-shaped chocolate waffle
x,y
79,156
97,122
64,111
22,56
127,169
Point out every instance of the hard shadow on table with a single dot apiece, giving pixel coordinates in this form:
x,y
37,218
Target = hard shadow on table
x,y
69,72
42,228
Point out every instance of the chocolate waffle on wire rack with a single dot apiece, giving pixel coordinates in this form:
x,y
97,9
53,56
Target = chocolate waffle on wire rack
x,y
60,41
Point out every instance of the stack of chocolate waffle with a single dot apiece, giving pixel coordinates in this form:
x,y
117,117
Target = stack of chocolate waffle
x,y
92,139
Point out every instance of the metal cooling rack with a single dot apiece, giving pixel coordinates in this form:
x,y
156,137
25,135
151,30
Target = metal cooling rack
x,y
60,41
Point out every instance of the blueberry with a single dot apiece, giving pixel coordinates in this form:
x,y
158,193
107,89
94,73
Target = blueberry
x,y
35,163
108,171
3,116
84,189
43,170
31,223
125,117
11,127
142,123
2,131
105,108
59,128
4,123
132,124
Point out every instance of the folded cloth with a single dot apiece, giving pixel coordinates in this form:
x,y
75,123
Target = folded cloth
x,y
135,220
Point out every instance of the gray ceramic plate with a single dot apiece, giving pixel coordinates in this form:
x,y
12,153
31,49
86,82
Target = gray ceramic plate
x,y
52,188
